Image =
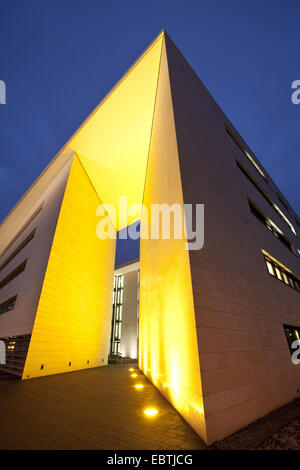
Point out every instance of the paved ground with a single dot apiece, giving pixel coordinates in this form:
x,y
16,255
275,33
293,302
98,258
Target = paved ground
x,y
91,409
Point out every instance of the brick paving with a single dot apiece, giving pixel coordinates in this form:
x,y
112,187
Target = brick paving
x,y
91,409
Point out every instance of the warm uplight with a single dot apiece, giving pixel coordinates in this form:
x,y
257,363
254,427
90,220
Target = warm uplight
x,y
150,412
131,370
133,375
139,386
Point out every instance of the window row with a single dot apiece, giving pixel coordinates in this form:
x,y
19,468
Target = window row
x,y
270,225
27,223
284,275
246,153
8,305
272,204
17,250
18,270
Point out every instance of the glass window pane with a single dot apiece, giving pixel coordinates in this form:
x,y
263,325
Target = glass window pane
x,y
278,273
270,268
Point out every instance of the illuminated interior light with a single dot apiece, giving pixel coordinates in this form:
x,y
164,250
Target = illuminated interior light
x,y
131,369
150,412
139,386
133,375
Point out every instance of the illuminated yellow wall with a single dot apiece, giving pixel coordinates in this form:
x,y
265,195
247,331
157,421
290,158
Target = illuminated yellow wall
x,y
72,322
168,350
113,144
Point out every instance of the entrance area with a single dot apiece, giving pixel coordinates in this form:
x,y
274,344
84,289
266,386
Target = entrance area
x,y
125,307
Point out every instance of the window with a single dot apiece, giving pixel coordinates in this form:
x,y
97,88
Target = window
x,y
247,154
270,225
8,305
13,274
276,269
117,315
282,202
33,216
292,334
272,204
17,250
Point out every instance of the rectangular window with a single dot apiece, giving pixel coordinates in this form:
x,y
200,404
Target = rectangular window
x,y
270,225
13,274
267,198
8,305
276,269
292,334
282,202
247,154
33,216
18,249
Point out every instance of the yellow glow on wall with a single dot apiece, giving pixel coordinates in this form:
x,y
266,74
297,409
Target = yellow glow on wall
x,y
168,348
72,323
113,144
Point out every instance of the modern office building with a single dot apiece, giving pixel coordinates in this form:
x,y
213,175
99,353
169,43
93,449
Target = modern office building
x,y
216,324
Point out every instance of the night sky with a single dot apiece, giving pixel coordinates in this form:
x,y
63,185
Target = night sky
x,y
60,57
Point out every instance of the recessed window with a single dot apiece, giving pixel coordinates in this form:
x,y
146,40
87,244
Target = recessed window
x,y
270,225
246,153
276,269
282,202
8,305
266,197
18,249
13,274
31,218
292,334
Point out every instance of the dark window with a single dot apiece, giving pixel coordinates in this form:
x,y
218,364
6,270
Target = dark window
x,y
8,305
292,334
13,274
264,195
17,250
246,153
33,216
282,202
267,223
284,275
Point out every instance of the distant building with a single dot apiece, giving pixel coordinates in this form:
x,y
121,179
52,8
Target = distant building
x,y
215,326
124,327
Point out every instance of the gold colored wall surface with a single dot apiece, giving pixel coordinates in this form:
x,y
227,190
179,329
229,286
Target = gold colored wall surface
x,y
72,322
168,352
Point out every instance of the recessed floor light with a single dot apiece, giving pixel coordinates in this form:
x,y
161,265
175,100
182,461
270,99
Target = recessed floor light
x,y
131,369
139,386
133,375
150,412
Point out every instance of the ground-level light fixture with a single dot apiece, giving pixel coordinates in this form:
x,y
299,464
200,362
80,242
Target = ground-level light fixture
x,y
150,412
139,386
133,375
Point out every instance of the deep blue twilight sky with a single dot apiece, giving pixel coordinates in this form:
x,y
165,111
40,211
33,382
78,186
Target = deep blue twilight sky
x,y
60,57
